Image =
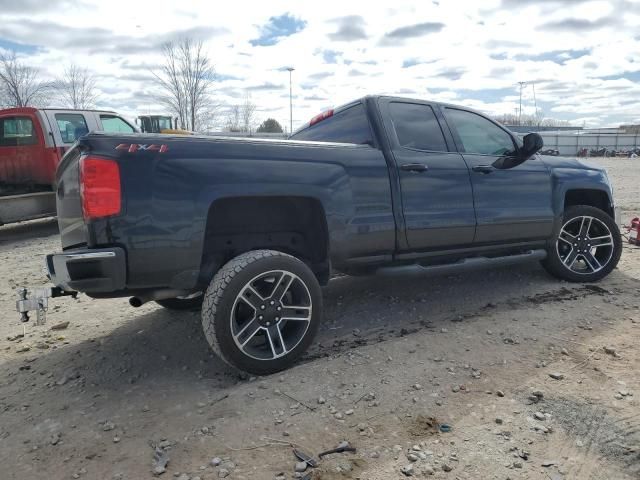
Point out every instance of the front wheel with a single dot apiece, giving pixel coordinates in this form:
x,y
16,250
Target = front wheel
x,y
587,247
262,311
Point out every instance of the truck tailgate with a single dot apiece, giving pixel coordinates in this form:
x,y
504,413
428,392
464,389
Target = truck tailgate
x,y
73,230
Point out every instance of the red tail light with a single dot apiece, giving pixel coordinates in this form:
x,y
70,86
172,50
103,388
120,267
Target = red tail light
x,y
99,187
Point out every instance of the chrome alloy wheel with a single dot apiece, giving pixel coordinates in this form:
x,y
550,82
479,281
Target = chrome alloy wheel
x,y
585,245
271,315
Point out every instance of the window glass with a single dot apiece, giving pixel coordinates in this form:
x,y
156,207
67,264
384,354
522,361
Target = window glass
x,y
113,124
348,126
164,123
417,127
71,125
17,131
479,135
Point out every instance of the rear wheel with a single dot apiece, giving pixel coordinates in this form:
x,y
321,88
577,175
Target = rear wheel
x,y
262,311
586,248
191,302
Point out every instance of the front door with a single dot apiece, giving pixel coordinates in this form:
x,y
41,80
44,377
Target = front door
x,y
437,200
513,204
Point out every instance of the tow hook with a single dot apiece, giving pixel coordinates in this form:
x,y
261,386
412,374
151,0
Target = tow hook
x,y
38,300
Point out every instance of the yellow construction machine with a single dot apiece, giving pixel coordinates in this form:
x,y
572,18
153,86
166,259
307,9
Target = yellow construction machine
x,y
160,124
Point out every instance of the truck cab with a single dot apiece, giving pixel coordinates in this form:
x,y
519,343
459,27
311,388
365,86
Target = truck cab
x,y
32,142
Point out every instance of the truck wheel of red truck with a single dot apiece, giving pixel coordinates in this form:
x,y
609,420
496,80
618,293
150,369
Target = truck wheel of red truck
x,y
262,311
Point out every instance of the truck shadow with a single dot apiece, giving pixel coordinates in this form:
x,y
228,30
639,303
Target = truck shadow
x,y
158,364
362,311
154,374
168,349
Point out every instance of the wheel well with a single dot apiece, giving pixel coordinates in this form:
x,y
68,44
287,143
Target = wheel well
x,y
594,198
294,225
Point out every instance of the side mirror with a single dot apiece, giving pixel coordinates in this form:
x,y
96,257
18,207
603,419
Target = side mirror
x,y
531,143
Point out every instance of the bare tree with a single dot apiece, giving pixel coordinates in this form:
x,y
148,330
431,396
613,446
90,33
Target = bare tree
x,y
77,88
241,117
185,81
247,113
233,119
20,84
208,118
530,120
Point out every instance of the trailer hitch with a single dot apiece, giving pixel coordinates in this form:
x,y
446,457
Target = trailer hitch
x,y
38,300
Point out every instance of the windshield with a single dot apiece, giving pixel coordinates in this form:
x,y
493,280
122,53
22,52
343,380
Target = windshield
x,y
165,123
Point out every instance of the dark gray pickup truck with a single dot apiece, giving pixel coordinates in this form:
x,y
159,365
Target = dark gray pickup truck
x,y
249,229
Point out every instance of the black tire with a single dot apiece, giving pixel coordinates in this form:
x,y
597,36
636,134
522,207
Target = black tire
x,y
223,305
192,303
560,251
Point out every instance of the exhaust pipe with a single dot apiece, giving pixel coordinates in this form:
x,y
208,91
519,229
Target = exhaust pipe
x,y
140,300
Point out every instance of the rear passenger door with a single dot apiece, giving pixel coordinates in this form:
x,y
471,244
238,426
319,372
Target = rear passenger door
x,y
437,200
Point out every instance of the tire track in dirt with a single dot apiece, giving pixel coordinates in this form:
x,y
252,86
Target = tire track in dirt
x,y
343,344
600,433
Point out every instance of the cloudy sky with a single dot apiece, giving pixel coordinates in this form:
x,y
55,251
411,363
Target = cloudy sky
x,y
582,56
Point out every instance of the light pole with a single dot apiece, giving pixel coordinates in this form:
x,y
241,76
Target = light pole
x,y
535,103
522,84
291,69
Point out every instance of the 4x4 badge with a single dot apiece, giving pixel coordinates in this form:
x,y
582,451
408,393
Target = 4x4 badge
x,y
134,147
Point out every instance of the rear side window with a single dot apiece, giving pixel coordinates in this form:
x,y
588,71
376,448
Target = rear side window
x,y
72,126
17,131
347,126
113,124
417,127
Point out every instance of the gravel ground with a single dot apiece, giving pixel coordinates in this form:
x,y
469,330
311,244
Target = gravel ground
x,y
537,379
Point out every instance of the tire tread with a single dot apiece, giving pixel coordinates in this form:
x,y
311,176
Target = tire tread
x,y
216,290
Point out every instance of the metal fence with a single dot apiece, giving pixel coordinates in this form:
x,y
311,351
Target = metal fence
x,y
570,144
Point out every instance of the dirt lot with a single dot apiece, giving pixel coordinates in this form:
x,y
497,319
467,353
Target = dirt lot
x,y
395,359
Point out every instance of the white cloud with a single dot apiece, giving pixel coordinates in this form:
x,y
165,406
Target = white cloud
x,y
582,55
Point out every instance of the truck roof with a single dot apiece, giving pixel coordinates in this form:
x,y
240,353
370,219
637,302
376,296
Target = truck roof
x,y
26,110
332,111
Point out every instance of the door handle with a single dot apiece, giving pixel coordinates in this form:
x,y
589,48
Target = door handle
x,y
414,167
483,169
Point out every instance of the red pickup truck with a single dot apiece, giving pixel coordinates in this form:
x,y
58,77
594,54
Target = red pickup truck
x,y
32,142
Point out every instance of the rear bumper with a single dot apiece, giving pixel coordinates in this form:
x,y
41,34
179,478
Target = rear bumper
x,y
88,270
